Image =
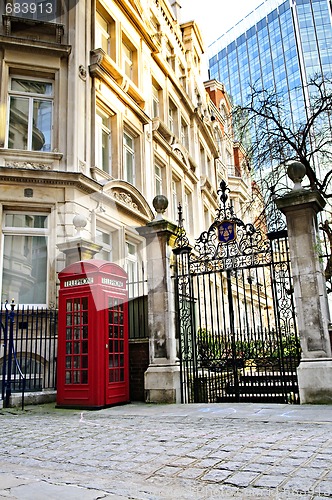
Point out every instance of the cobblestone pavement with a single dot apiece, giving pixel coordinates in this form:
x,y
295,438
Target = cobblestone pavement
x,y
171,452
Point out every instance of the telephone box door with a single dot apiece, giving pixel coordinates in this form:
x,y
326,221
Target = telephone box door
x,y
117,356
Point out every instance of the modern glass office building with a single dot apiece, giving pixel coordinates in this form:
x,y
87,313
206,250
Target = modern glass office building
x,y
280,45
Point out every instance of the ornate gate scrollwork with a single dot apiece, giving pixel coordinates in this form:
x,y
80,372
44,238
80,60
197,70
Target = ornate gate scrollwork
x,y
235,309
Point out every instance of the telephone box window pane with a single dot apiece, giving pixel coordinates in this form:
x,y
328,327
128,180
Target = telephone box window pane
x,y
121,360
69,305
84,377
68,334
85,332
85,317
85,347
76,377
110,361
76,333
76,347
68,348
68,362
68,377
69,320
121,374
84,361
77,363
85,302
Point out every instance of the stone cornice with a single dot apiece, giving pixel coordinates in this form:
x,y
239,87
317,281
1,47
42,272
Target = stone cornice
x,y
12,175
301,198
22,44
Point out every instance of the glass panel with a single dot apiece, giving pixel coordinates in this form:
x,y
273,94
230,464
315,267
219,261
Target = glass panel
x,y
25,256
85,302
68,348
68,333
69,305
41,125
129,162
76,347
84,361
84,377
85,332
85,347
77,363
18,123
121,374
68,377
30,86
68,361
27,221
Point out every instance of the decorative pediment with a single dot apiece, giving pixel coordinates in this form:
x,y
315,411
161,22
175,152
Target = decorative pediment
x,y
129,199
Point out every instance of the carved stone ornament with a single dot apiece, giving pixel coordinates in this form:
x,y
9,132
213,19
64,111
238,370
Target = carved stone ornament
x,y
28,164
125,198
82,72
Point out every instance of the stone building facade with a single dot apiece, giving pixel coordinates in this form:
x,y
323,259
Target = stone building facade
x,y
103,107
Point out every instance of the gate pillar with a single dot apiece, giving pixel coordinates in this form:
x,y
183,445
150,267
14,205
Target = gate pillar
x,y
315,370
162,378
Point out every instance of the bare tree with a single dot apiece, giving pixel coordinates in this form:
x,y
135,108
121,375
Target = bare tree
x,y
273,135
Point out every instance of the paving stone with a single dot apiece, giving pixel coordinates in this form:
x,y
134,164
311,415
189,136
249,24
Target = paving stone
x,y
216,475
242,479
269,481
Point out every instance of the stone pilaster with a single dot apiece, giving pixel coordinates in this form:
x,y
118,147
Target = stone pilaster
x,y
162,378
315,371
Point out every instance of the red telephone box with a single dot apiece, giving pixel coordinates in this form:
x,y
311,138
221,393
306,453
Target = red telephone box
x,y
92,365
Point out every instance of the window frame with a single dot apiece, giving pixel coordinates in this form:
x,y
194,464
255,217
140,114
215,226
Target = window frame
x,y
132,152
100,130
32,97
27,231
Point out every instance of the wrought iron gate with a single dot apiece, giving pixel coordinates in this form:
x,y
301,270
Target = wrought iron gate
x,y
236,320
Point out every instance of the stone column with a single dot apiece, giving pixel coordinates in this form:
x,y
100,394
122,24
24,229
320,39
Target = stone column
x,y
162,378
315,370
78,249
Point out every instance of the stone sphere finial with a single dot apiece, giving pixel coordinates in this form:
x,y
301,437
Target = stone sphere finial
x,y
160,203
79,221
296,171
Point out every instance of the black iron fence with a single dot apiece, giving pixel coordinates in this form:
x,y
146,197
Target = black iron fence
x,y
28,346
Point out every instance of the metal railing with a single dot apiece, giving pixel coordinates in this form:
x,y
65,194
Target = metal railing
x,y
28,344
